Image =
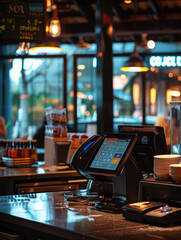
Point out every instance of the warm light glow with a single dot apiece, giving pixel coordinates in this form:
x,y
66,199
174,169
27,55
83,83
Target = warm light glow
x,y
46,49
122,76
45,100
99,54
153,96
128,1
170,94
90,97
81,67
179,78
49,5
110,30
118,82
134,69
87,113
150,44
170,74
80,95
175,93
55,28
136,93
152,69
24,96
94,107
87,85
70,107
79,74
71,93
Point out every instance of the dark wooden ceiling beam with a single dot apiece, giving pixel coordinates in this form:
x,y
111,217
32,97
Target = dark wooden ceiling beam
x,y
86,10
78,29
150,26
117,10
130,13
70,14
139,27
155,6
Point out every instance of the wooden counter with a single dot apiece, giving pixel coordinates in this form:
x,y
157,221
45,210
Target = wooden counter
x,y
39,179
46,216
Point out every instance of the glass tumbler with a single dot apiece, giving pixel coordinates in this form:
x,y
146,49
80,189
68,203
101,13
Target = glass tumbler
x,y
175,127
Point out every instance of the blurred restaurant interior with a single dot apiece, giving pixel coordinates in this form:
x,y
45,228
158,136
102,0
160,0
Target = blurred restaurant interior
x,y
90,92
85,75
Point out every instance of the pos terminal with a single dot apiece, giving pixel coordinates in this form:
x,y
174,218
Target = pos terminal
x,y
113,172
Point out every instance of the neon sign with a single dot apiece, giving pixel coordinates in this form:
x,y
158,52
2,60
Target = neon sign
x,y
165,61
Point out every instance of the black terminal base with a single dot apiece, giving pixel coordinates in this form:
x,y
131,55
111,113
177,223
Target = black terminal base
x,y
152,189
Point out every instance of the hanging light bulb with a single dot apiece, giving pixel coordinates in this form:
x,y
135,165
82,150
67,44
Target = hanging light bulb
x,y
55,27
49,5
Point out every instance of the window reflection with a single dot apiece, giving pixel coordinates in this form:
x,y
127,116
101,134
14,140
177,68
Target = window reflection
x,y
86,90
35,84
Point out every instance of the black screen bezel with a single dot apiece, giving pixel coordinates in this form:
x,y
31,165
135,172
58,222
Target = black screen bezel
x,y
156,144
117,171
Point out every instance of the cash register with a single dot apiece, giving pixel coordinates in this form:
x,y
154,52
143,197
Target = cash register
x,y
117,183
107,162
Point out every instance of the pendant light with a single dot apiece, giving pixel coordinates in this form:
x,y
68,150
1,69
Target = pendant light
x,y
81,44
134,64
51,47
55,27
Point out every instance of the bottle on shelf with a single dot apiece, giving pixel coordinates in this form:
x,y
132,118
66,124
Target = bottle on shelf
x,y
33,150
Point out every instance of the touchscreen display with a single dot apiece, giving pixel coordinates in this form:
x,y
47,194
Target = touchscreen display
x,y
110,153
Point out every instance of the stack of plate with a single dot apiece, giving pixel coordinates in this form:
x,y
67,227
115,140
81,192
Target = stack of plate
x,y
162,163
175,172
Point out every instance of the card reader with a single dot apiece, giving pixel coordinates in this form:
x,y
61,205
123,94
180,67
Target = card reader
x,y
165,215
136,211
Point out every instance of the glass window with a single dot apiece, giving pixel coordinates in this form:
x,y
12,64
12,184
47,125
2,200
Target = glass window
x,y
35,84
86,92
127,95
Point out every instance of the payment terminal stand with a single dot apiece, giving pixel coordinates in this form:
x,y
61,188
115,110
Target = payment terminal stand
x,y
127,183
117,186
124,188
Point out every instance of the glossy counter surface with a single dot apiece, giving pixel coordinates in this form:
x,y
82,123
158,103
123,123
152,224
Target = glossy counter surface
x,y
46,214
38,178
35,170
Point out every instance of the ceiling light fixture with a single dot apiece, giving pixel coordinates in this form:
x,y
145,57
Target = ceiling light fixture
x,y
128,1
82,44
145,43
50,47
55,27
150,44
49,5
134,64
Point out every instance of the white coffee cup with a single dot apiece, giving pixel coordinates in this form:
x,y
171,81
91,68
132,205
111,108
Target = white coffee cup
x,y
162,163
